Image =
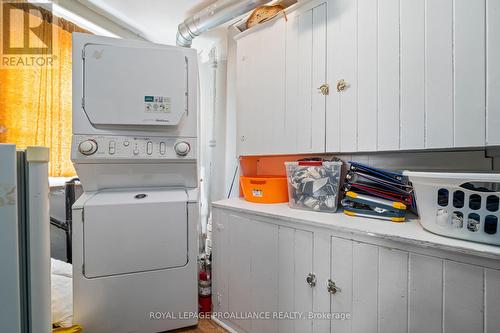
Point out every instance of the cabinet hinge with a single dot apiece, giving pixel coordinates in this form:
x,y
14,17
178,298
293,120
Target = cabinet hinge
x,y
83,53
83,269
83,103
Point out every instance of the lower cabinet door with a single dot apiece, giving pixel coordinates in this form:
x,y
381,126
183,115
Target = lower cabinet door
x,y
296,280
220,255
265,278
368,284
252,287
388,290
263,275
368,288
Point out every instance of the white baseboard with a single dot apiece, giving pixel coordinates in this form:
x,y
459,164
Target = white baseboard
x,y
224,326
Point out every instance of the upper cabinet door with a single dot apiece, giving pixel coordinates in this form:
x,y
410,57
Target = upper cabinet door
x,y
305,75
261,90
402,75
351,112
443,74
414,74
493,72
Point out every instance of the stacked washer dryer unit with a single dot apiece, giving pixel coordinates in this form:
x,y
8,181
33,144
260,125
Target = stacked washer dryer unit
x,y
135,151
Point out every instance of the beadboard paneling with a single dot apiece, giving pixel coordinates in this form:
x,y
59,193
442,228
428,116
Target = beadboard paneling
x,y
388,75
421,74
318,77
348,53
393,291
425,294
342,274
412,112
303,258
439,73
470,71
367,75
286,269
462,282
365,291
493,71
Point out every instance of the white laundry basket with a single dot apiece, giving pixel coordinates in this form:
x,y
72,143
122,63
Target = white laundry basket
x,y
457,204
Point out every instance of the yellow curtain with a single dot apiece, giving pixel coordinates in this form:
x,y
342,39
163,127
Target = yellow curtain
x,y
35,101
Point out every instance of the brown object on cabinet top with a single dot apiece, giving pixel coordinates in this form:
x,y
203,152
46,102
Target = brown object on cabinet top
x,y
264,13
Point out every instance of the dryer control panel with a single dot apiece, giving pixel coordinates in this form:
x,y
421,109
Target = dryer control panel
x,y
135,148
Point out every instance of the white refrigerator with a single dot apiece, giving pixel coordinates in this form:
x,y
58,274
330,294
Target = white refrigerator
x,y
25,304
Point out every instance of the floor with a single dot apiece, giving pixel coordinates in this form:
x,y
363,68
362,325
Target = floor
x,y
204,326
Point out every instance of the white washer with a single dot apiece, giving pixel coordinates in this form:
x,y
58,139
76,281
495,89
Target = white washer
x,y
135,151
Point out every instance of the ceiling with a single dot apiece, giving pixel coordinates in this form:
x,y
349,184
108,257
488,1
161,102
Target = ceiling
x,y
156,20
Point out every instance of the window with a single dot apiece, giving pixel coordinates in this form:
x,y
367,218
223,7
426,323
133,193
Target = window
x,y
35,89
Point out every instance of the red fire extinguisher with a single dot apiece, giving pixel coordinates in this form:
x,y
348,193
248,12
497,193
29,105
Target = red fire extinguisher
x,y
204,287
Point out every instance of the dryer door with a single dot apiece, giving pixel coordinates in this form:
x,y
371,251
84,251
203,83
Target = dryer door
x,y
134,86
134,231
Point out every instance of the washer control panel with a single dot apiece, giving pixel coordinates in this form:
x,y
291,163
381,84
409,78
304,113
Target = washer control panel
x,y
125,147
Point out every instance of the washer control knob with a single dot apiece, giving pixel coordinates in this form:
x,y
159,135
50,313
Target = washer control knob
x,y
87,147
182,148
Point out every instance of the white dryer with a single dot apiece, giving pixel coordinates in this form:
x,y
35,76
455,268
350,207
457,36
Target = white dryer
x,y
135,151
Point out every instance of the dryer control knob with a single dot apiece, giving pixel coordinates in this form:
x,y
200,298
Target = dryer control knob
x,y
182,148
87,147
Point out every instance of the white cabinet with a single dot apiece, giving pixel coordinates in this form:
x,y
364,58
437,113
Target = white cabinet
x,y
420,75
280,67
492,72
416,74
295,257
305,73
261,268
389,290
262,265
373,287
261,90
245,275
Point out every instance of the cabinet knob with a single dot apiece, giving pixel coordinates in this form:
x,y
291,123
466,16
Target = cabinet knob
x,y
311,279
332,288
324,89
341,85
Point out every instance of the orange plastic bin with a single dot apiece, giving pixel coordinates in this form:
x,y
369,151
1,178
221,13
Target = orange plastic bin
x,y
265,189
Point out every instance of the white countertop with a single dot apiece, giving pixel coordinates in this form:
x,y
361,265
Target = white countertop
x,y
408,232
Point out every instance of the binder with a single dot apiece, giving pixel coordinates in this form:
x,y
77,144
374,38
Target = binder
x,y
384,174
367,180
364,205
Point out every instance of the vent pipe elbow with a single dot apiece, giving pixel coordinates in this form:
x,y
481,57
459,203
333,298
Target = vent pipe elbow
x,y
218,13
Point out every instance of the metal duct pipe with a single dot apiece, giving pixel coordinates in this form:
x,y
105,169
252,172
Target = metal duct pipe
x,y
216,14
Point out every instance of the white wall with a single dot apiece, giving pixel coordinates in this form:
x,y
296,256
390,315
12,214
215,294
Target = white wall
x,y
213,140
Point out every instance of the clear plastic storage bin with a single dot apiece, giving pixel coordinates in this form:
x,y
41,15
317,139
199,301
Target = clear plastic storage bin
x,y
314,185
459,205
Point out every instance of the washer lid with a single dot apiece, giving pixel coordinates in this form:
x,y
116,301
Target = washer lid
x,y
134,231
134,86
